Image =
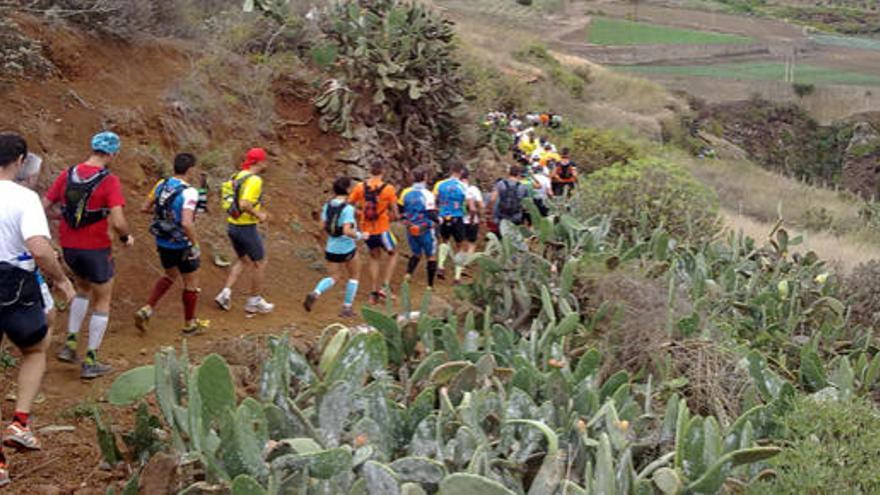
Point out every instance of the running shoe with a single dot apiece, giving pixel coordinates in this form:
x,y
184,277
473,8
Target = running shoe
x,y
224,300
4,473
441,274
258,305
374,298
94,370
20,437
142,318
346,312
310,301
67,354
196,327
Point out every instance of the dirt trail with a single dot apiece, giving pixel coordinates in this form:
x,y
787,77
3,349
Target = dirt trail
x,y
125,87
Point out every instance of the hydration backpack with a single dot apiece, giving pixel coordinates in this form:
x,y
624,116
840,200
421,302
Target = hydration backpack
x,y
565,170
415,213
452,197
230,192
510,201
332,215
371,201
77,193
165,224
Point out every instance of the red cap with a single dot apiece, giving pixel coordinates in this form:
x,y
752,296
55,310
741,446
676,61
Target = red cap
x,y
253,156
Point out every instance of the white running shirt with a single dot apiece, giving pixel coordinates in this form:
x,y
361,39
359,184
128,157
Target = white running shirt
x,y
473,193
21,218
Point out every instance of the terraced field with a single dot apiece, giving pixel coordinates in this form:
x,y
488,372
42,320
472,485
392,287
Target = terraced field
x,y
605,31
762,71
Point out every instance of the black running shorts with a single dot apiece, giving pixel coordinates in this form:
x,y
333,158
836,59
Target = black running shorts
x,y
246,241
471,232
340,258
452,228
178,258
94,265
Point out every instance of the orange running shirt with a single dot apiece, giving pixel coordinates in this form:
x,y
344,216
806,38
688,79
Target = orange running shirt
x,y
387,198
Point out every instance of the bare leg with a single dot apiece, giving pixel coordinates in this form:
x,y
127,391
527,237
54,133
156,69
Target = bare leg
x,y
30,374
375,259
235,271
392,266
259,276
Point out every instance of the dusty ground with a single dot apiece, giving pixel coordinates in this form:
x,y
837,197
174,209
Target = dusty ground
x,y
98,83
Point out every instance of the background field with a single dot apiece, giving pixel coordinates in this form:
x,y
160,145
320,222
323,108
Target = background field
x,y
763,71
604,31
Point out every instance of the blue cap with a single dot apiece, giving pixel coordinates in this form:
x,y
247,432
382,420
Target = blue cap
x,y
106,142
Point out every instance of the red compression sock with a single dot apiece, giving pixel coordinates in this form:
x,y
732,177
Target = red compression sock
x,y
21,418
159,290
190,300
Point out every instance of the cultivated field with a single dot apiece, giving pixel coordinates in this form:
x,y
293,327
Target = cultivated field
x,y
604,31
762,71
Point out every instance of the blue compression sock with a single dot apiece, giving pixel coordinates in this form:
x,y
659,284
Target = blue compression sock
x,y
324,285
350,291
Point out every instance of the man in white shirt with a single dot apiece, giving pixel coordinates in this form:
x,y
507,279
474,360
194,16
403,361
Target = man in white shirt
x,y
475,206
542,189
24,246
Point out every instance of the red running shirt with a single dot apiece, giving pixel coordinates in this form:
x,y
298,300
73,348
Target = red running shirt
x,y
108,194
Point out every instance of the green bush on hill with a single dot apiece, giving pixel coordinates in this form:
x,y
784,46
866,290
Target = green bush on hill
x,y
832,448
649,193
594,149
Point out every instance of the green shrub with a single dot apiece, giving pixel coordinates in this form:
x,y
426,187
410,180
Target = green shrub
x,y
833,448
594,149
649,193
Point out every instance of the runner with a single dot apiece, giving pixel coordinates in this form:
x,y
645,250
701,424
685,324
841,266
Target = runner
x,y
91,202
339,222
242,198
420,217
173,203
24,245
507,198
542,189
376,202
564,175
474,198
451,194
27,177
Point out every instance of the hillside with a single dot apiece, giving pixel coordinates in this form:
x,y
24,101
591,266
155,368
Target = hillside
x,y
690,322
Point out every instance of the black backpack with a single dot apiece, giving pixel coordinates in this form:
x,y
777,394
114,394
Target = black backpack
x,y
565,170
76,199
371,201
510,201
165,225
333,214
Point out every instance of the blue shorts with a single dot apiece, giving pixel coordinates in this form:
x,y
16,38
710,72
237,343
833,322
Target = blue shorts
x,y
384,241
246,241
425,244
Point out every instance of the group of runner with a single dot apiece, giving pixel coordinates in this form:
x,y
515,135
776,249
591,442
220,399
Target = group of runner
x,y
87,200
442,224
434,219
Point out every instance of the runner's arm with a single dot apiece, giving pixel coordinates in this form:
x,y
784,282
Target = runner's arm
x,y
188,222
248,207
349,231
147,206
46,258
118,222
473,210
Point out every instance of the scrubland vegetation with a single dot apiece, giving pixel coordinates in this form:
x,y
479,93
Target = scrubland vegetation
x,y
667,330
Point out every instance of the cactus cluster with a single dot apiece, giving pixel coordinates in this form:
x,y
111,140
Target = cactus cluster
x,y
394,67
436,405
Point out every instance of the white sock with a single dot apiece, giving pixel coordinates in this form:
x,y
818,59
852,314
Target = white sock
x,y
226,292
97,328
78,309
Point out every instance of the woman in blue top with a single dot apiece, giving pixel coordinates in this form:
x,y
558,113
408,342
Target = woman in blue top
x,y
339,222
